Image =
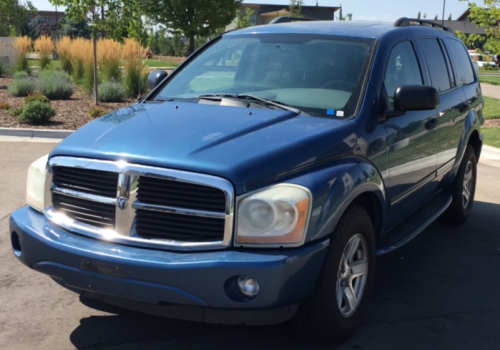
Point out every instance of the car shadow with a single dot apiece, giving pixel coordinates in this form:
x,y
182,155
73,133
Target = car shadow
x,y
418,290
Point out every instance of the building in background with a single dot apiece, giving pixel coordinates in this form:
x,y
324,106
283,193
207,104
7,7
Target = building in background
x,y
464,25
47,16
265,13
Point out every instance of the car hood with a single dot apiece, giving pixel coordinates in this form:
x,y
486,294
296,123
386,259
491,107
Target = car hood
x,y
248,146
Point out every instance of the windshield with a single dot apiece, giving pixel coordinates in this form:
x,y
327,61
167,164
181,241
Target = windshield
x,y
320,75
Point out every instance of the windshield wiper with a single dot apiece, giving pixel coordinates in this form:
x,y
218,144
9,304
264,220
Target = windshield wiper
x,y
253,97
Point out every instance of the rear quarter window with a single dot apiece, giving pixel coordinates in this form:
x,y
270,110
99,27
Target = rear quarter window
x,y
462,61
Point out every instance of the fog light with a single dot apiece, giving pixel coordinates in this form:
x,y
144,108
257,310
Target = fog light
x,y
248,286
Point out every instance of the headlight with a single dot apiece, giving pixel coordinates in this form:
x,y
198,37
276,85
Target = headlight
x,y
276,216
35,189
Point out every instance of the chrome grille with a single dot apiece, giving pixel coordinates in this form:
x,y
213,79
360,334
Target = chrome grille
x,y
140,205
152,224
86,211
181,195
86,180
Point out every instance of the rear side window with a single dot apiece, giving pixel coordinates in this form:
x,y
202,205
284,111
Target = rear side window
x,y
461,58
438,69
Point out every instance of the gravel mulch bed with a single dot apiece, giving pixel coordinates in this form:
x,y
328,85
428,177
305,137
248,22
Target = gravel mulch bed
x,y
71,114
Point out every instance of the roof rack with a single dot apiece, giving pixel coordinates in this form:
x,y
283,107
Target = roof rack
x,y
287,19
406,22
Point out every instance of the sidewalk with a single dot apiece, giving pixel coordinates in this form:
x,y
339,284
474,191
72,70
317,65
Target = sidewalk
x,y
492,91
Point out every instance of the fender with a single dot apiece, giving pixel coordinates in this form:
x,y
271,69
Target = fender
x,y
472,123
336,187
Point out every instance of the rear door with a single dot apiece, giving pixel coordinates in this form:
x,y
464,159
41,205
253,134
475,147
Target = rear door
x,y
451,128
451,100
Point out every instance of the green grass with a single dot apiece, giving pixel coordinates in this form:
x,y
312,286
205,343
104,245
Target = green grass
x,y
155,63
491,136
491,108
493,80
36,63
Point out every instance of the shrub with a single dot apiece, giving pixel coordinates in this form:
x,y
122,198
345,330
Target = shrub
x,y
36,97
135,71
111,91
36,113
22,86
63,48
21,75
4,105
22,46
44,46
97,112
16,112
55,84
108,57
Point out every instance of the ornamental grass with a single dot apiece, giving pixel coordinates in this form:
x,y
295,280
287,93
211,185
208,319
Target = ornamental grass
x,y
22,45
108,58
63,48
44,46
134,63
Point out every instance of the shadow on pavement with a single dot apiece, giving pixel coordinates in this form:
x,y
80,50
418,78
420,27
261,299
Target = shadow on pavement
x,y
438,291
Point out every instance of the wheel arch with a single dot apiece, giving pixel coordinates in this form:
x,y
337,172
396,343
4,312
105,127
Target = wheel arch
x,y
359,184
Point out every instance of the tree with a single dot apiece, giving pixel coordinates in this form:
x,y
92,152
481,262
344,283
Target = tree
x,y
436,17
295,8
244,19
487,16
425,15
13,16
192,18
449,17
419,15
74,29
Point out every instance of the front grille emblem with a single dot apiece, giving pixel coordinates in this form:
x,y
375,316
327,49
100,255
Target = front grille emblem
x,y
121,203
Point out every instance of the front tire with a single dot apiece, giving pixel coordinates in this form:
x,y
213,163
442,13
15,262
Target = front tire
x,y
339,301
463,189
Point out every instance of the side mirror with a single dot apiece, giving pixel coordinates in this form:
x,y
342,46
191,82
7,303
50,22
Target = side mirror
x,y
415,98
412,98
156,77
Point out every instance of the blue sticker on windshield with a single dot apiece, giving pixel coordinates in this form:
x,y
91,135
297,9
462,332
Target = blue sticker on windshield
x,y
330,112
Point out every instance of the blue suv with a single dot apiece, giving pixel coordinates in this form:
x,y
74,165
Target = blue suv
x,y
258,182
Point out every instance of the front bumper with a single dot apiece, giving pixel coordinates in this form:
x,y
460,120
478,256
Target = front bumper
x,y
146,276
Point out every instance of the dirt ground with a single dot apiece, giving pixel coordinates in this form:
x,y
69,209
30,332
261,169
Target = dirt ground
x,y
71,114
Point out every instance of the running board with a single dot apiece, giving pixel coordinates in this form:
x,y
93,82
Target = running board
x,y
409,228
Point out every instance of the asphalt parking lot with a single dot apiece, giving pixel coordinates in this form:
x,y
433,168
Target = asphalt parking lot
x,y
441,291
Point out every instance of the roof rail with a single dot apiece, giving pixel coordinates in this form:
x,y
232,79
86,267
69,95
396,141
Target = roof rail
x,y
406,22
287,19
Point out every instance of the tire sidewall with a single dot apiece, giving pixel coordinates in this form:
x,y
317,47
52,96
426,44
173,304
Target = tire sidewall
x,y
459,212
330,313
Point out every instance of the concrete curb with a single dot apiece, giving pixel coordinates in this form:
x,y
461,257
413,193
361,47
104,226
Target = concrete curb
x,y
36,133
490,152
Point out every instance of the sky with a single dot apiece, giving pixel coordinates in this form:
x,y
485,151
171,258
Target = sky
x,y
367,10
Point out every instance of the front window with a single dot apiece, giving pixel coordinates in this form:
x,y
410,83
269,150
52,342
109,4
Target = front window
x,y
320,75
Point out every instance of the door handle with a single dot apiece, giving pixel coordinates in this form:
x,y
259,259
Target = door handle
x,y
431,124
464,108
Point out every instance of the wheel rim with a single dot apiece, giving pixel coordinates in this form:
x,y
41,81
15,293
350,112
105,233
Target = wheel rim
x,y
351,277
467,186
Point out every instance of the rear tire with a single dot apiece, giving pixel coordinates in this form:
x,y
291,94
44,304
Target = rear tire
x,y
339,301
463,189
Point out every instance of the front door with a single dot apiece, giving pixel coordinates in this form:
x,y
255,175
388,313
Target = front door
x,y
413,137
